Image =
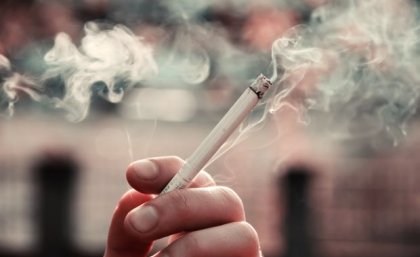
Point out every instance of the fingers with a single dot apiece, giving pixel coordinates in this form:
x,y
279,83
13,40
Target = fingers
x,y
152,175
184,210
120,242
203,216
233,239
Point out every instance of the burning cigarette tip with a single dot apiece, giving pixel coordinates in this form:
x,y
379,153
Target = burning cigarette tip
x,y
261,85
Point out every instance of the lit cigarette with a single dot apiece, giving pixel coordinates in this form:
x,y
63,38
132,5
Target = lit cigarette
x,y
226,126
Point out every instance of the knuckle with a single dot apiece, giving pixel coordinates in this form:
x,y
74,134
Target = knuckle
x,y
192,244
188,245
250,237
209,181
232,199
126,199
177,200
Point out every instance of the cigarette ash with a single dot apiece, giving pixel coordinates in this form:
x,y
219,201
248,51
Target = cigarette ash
x,y
354,67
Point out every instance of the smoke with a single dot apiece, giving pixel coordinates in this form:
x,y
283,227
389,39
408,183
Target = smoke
x,y
11,84
354,66
7,95
186,56
109,60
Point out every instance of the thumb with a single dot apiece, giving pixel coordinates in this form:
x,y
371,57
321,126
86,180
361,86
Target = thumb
x,y
120,242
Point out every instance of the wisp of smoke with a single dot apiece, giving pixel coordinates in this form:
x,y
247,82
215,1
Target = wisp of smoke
x,y
108,62
7,95
11,84
355,64
187,55
105,58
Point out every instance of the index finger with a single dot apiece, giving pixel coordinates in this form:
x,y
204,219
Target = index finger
x,y
152,175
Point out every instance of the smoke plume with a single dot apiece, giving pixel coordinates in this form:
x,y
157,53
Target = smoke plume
x,y
355,65
11,85
109,61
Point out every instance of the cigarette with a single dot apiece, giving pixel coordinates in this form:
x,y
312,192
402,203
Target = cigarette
x,y
220,133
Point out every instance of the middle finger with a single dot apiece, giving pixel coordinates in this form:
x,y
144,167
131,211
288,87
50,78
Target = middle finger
x,y
185,210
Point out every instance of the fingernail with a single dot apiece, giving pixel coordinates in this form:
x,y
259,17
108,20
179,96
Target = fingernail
x,y
145,169
144,218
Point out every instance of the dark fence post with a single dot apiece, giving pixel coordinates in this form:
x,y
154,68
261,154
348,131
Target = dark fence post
x,y
297,228
55,176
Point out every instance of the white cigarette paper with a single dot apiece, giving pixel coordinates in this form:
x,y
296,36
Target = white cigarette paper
x,y
226,126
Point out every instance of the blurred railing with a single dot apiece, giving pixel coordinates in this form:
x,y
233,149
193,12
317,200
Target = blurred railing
x,y
56,202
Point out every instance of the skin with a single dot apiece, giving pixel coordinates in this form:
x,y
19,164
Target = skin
x,y
203,220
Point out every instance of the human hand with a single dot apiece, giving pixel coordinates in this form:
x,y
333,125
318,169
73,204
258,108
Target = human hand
x,y
204,220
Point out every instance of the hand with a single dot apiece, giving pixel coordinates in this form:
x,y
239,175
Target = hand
x,y
204,220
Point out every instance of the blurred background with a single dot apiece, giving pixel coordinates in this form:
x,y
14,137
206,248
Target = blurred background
x,y
306,192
